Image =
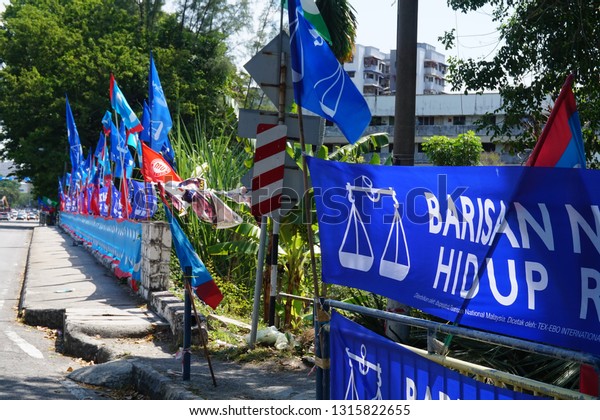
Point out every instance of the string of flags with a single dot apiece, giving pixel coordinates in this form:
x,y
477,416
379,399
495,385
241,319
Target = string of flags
x,y
132,165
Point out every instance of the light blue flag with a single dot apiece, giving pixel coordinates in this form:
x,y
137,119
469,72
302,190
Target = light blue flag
x,y
201,280
120,105
160,118
75,149
320,83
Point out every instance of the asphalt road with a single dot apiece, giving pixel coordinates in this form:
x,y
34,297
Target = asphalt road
x,y
30,367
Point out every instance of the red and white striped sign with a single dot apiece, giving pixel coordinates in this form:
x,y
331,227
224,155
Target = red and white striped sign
x,y
267,176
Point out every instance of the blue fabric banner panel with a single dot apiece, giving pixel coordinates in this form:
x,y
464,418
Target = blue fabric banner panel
x,y
366,366
118,239
513,250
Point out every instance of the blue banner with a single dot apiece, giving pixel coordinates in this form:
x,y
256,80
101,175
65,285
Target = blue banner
x,y
143,200
366,366
118,239
514,250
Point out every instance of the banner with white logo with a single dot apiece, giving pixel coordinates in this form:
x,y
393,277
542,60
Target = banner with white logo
x,y
367,366
514,250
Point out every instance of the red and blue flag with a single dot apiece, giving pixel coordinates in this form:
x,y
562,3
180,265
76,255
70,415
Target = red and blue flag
x,y
561,142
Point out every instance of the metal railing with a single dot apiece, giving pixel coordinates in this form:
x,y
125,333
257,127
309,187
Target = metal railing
x,y
497,377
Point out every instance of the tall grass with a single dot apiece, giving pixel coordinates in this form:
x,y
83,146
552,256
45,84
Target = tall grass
x,y
221,159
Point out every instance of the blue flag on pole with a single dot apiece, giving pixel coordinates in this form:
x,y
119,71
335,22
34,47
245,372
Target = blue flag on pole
x,y
75,150
160,118
320,83
201,280
119,153
119,104
145,133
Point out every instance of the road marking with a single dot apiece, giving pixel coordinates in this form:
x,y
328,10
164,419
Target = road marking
x,y
24,345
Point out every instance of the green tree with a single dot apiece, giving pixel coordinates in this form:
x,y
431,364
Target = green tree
x,y
49,49
540,43
340,18
10,190
463,150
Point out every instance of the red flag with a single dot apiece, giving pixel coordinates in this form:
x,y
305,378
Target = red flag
x,y
561,142
155,168
125,204
95,202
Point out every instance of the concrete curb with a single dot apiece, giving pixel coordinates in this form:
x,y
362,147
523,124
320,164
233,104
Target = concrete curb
x,y
124,373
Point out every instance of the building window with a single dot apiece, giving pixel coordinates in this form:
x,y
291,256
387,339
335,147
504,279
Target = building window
x,y
376,121
459,120
489,147
351,73
426,120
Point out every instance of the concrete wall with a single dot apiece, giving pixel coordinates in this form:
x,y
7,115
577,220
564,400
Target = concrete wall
x,y
156,256
155,280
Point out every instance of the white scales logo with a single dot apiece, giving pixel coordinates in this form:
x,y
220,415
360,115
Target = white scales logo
x,y
356,251
364,367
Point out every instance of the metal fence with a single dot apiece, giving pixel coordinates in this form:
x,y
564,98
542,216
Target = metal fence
x,y
482,373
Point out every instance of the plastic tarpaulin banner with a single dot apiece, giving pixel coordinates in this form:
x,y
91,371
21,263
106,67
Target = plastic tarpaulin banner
x,y
366,366
117,239
513,250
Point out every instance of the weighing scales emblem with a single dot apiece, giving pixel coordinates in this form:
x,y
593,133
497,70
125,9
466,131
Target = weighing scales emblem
x,y
356,251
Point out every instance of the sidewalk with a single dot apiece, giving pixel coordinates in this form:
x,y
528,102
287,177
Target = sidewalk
x,y
101,320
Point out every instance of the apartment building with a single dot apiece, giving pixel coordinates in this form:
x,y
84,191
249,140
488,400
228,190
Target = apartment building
x,y
374,72
436,112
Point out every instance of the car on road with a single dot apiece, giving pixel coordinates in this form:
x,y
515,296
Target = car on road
x,y
21,215
4,215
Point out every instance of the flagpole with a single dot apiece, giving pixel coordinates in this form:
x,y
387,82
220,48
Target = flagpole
x,y
319,315
190,293
276,217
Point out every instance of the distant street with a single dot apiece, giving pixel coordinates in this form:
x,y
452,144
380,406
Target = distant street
x,y
29,366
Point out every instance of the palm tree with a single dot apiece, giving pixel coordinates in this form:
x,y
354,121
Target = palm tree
x,y
340,18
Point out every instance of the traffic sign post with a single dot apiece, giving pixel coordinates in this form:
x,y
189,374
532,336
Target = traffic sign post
x,y
276,187
267,179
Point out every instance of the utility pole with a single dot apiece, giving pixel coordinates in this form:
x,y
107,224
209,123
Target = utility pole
x,y
403,152
406,84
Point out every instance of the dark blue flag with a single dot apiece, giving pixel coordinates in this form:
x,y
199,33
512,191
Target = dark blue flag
x,y
119,153
320,83
143,200
145,133
75,150
99,151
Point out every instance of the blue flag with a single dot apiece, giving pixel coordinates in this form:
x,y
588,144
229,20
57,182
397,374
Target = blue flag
x,y
320,83
201,280
119,153
119,104
143,200
145,133
160,118
75,150
99,150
